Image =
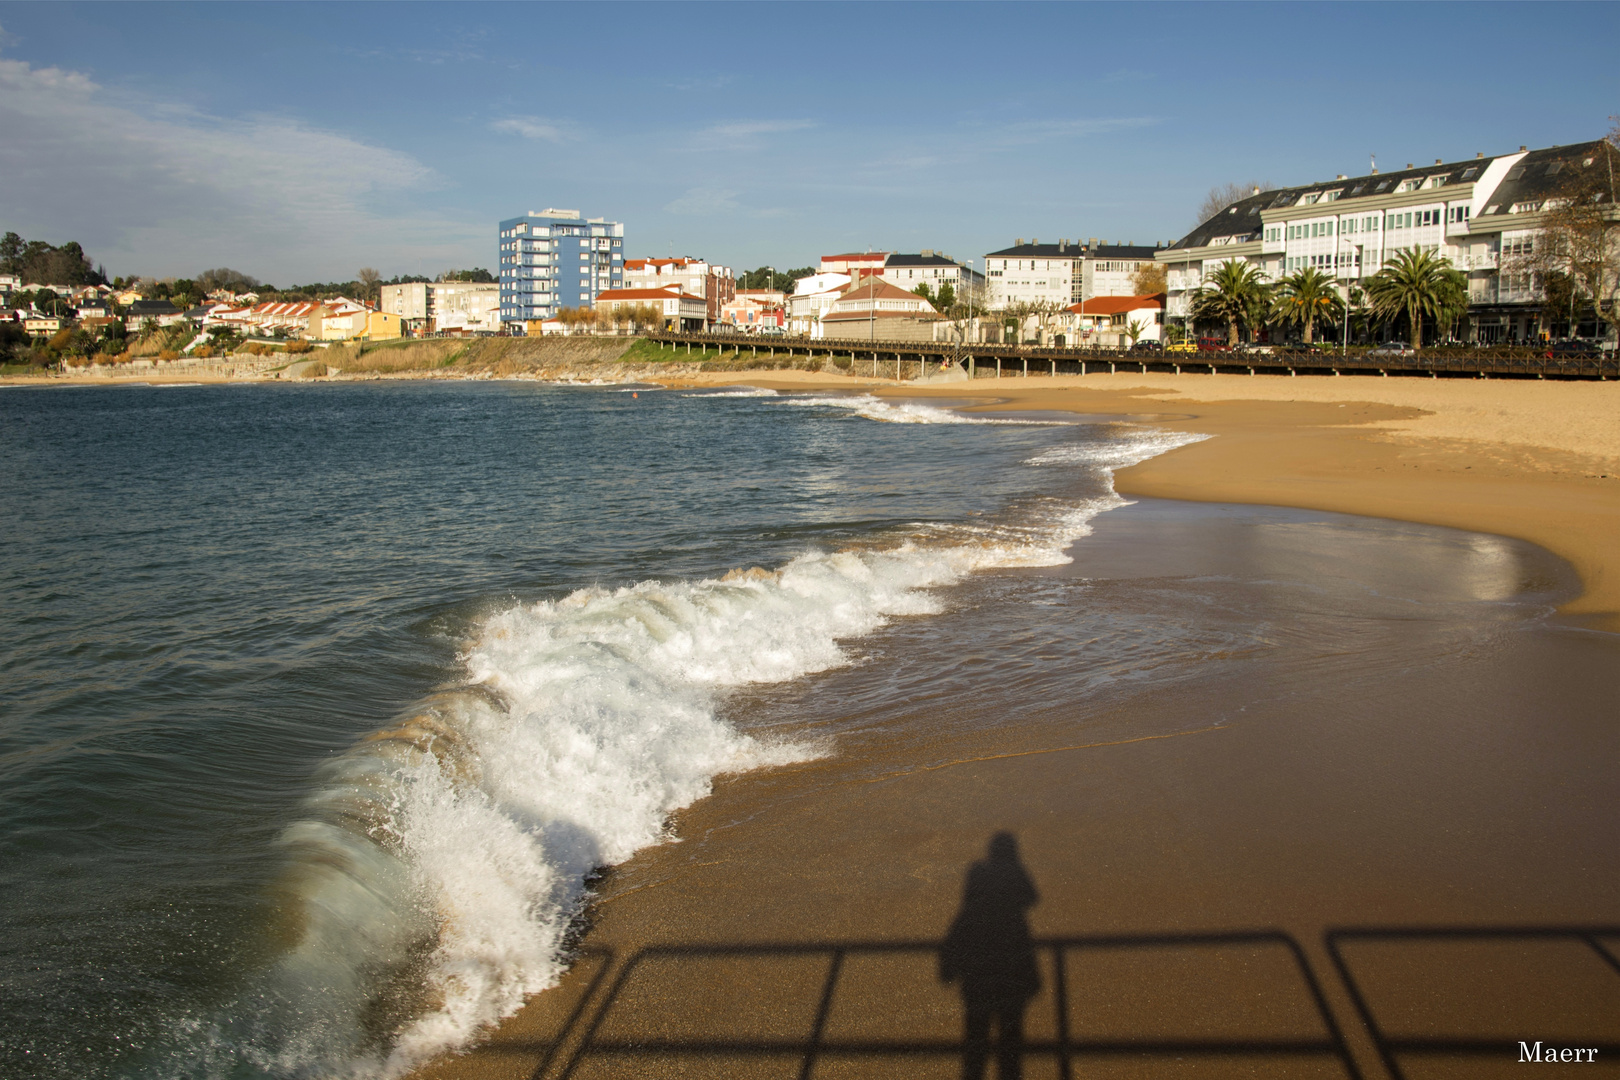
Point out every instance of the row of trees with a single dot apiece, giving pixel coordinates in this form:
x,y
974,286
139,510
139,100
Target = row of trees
x,y
767,277
625,317
1415,284
38,262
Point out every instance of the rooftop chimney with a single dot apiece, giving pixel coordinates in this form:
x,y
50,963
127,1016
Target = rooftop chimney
x,y
1409,165
1034,240
1256,191
1019,242
1437,161
1521,149
1339,177
1480,155
1092,242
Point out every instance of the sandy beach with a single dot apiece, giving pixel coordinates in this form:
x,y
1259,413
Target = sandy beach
x,y
1386,867
1355,817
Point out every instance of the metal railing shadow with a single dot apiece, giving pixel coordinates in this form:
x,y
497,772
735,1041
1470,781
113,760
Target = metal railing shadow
x,y
1564,978
630,1031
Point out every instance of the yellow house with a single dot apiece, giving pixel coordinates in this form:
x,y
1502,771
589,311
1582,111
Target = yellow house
x,y
383,324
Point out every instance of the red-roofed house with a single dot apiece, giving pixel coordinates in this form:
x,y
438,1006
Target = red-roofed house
x,y
1106,320
682,310
879,311
751,312
693,276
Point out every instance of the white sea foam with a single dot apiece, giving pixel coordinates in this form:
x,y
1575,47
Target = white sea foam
x,y
453,847
738,391
1126,447
907,412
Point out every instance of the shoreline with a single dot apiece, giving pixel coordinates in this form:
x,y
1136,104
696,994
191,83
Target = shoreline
x,y
1529,459
1536,461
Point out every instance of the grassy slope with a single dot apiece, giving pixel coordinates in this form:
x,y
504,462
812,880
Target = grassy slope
x,y
578,356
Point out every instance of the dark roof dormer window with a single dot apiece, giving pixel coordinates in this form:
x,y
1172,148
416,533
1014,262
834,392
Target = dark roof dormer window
x,y
1470,172
1382,184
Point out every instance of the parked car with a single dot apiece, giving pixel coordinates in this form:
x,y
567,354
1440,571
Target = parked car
x,y
1209,344
1182,347
1392,348
772,331
1148,347
1573,349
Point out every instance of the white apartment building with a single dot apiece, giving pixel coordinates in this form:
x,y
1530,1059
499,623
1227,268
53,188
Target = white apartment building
x,y
813,297
694,276
1477,213
1063,273
444,306
928,268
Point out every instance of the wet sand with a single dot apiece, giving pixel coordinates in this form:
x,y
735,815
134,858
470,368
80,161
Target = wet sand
x,y
1369,828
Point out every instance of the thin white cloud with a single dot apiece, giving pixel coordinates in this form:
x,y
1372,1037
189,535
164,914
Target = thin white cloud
x,y
747,129
530,127
159,188
704,202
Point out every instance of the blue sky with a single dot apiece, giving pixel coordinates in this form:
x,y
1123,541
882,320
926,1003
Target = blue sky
x,y
300,142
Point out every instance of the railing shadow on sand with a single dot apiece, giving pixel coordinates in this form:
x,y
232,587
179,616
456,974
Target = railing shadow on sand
x,y
1239,1003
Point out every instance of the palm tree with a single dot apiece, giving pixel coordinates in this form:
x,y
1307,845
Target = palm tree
x,y
1306,297
1235,292
1417,283
1454,302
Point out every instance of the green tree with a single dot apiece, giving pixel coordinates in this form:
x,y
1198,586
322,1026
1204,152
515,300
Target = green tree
x,y
1306,297
1415,283
946,297
926,293
477,275
1236,294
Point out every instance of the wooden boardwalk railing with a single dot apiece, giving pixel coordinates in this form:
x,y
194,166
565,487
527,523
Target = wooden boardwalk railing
x,y
895,357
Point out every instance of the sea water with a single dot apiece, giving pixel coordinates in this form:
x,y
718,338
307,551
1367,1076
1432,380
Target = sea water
x,y
322,703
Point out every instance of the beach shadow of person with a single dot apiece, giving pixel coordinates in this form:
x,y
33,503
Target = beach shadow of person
x,y
988,951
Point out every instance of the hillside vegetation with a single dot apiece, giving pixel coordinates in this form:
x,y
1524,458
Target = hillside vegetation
x,y
578,357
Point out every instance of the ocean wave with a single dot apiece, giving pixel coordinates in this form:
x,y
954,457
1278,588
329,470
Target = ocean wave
x,y
1125,447
439,862
739,391
908,412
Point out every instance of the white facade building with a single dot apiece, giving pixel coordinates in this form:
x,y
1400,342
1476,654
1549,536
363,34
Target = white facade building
x,y
929,268
813,297
695,277
1480,214
1062,273
465,307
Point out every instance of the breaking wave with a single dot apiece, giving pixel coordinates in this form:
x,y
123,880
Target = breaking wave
x,y
439,862
909,412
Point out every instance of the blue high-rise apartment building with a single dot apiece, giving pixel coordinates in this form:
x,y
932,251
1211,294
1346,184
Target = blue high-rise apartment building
x,y
552,259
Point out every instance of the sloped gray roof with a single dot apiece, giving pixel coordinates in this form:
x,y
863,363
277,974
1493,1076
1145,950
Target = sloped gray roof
x,y
1524,182
1071,251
